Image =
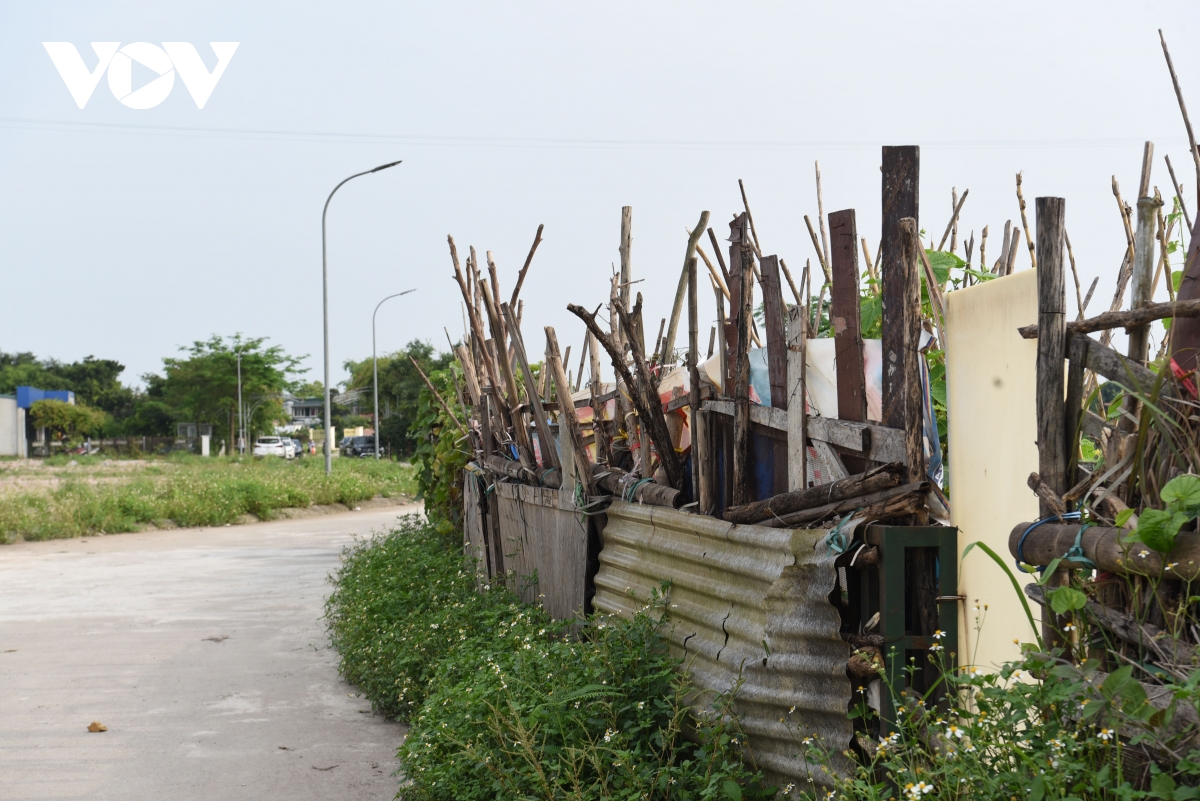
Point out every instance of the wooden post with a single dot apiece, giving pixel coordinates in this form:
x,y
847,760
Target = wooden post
x,y
722,342
847,326
626,258
910,354
545,437
700,464
568,423
901,174
741,393
1141,287
772,291
732,329
1051,350
1078,348
797,401
669,344
600,432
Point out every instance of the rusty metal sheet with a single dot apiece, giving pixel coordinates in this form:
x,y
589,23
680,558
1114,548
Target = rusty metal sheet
x,y
749,602
542,532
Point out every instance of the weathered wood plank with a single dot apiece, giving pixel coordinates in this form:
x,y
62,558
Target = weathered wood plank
x,y
844,312
568,422
772,291
741,392
901,180
1052,458
873,480
907,340
700,452
797,400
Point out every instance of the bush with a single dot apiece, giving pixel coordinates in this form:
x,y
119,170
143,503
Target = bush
x,y
502,703
441,455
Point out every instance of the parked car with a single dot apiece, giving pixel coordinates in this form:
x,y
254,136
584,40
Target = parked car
x,y
358,446
297,447
273,446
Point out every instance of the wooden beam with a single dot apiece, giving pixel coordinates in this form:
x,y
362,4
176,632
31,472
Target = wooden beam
x,y
903,355
1052,460
901,178
844,311
873,480
772,291
741,392
797,400
1179,309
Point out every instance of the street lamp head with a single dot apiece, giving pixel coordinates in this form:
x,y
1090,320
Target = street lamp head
x,y
385,166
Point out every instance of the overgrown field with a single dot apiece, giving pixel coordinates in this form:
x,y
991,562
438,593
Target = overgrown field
x,y
70,497
504,704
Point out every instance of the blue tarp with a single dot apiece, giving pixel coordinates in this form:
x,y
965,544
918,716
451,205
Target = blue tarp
x,y
27,396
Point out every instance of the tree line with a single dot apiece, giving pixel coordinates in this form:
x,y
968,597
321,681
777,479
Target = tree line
x,y
200,386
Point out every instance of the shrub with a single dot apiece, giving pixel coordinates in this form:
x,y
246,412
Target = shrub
x,y
502,703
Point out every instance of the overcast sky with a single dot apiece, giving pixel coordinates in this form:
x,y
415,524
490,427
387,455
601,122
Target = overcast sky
x,y
126,233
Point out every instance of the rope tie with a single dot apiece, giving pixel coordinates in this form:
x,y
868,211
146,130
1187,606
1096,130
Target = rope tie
x,y
836,538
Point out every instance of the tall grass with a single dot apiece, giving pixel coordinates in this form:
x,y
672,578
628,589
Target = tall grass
x,y
190,491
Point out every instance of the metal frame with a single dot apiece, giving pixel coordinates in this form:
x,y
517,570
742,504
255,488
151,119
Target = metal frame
x,y
892,542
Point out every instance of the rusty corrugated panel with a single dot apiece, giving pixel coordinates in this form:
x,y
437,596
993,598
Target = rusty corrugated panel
x,y
744,600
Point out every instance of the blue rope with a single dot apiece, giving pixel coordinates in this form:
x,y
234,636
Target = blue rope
x,y
1075,552
1021,542
634,488
836,538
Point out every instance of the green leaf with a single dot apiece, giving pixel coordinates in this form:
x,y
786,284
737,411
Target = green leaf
x,y
1066,599
1123,517
732,790
1037,790
1157,528
1182,493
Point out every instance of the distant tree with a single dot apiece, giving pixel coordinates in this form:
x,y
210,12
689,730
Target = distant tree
x,y
202,387
400,388
69,421
95,382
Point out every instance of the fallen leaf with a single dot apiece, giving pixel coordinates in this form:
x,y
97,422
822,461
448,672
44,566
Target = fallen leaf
x,y
216,639
331,767
11,651
96,726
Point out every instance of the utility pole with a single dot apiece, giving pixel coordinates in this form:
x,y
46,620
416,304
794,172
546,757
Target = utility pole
x,y
241,424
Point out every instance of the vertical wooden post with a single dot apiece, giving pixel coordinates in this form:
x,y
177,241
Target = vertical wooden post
x,y
1141,285
520,432
626,287
700,464
901,174
722,342
797,401
668,347
1077,347
732,329
568,423
600,423
844,311
741,392
772,290
908,341
1051,350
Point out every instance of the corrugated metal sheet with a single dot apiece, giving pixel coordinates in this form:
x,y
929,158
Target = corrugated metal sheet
x,y
744,600
541,531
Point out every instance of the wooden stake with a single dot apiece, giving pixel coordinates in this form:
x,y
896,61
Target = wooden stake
x,y
681,289
626,253
1143,274
712,237
700,457
545,437
712,336
537,240
817,247
750,217
844,310
773,322
566,414
1182,109
1179,194
1012,252
907,347
438,396
520,431
792,284
821,220
473,316
1025,225
797,400
901,181
952,226
716,276
722,343
742,491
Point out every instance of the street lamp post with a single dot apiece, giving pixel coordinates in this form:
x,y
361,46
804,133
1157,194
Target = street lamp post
x,y
325,305
375,365
241,423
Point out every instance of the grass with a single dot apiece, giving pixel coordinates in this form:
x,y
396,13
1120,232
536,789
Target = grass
x,y
503,703
55,499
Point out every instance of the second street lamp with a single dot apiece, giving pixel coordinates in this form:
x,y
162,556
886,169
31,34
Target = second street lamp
x,y
375,366
325,308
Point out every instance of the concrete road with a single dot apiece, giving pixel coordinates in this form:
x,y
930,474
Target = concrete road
x,y
202,650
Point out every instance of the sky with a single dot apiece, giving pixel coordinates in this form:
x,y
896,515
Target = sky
x,y
127,233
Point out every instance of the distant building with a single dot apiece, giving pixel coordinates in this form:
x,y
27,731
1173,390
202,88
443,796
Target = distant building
x,y
15,430
306,412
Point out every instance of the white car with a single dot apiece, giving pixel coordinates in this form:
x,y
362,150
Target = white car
x,y
274,446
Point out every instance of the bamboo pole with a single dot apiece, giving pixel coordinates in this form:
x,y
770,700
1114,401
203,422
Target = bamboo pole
x,y
700,458
716,276
712,237
817,247
1025,224
681,289
537,240
953,224
566,414
545,436
1179,194
821,221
